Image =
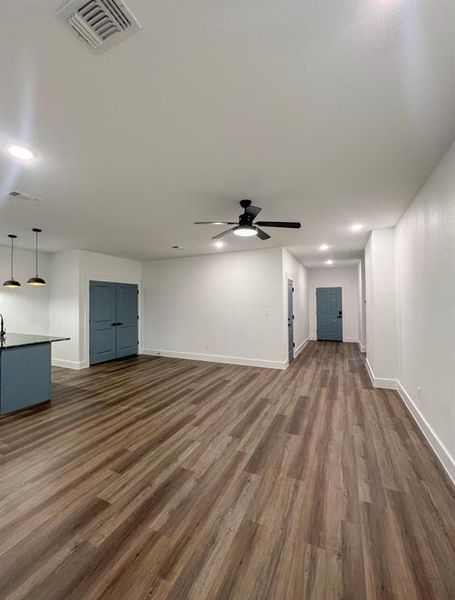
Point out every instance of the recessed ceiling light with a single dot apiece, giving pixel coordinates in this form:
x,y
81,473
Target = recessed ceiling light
x,y
219,244
21,152
324,247
329,262
356,227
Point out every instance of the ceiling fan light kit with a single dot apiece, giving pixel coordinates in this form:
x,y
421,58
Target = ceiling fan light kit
x,y
246,227
244,231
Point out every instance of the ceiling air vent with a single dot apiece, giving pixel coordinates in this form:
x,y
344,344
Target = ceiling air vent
x,y
100,23
21,196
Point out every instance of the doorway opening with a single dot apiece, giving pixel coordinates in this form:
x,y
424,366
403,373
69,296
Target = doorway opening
x,y
114,320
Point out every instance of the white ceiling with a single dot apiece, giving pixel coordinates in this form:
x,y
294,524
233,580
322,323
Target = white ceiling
x,y
325,112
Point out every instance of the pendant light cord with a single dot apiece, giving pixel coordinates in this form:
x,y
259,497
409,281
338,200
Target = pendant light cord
x,y
36,252
12,252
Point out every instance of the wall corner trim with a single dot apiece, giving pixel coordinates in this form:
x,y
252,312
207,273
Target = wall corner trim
x,y
441,452
231,360
300,347
380,382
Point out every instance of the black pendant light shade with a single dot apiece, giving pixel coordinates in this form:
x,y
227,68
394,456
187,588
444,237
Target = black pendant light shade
x,y
36,280
12,282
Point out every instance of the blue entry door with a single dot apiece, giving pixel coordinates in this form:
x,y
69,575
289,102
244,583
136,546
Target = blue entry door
x,y
113,320
329,314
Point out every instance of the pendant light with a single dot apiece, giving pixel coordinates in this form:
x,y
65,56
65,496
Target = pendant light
x,y
37,280
12,282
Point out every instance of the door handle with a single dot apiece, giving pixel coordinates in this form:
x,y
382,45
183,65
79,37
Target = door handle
x,y
113,324
119,324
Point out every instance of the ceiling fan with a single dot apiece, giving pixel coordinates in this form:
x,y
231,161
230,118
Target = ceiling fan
x,y
245,227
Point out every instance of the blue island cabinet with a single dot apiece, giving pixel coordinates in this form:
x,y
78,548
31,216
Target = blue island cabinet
x,y
25,371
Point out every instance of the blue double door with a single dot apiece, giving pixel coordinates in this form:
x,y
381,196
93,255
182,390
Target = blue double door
x,y
114,320
329,314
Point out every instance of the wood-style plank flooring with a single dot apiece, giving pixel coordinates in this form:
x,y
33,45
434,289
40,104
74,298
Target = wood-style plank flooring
x,y
169,479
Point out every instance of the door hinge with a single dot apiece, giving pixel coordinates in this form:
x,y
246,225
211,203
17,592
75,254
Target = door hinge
x,y
293,289
293,316
293,344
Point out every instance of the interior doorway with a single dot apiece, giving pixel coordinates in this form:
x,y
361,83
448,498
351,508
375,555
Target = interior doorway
x,y
114,320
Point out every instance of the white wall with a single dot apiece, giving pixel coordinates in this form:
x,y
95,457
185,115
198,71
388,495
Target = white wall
x,y
347,279
425,281
64,307
361,296
225,307
101,267
71,273
25,309
381,306
294,270
369,300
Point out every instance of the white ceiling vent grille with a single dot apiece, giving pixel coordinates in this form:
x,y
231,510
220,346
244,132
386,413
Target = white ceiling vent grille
x,y
21,196
100,23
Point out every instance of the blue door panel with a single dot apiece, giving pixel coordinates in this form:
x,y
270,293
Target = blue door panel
x,y
102,316
127,316
329,314
113,320
290,321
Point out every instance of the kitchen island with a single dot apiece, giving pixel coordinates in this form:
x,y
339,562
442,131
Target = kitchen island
x,y
25,370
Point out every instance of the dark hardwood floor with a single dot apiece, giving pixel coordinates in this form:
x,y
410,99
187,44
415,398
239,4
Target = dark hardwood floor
x,y
170,479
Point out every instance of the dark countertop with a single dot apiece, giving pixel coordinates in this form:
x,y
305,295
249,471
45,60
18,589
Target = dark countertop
x,y
13,340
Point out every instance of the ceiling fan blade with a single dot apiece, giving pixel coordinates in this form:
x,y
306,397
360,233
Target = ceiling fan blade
x,y
222,234
289,224
262,235
253,211
214,223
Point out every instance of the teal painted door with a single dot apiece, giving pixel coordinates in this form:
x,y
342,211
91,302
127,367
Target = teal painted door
x,y
329,314
127,319
103,316
290,320
113,320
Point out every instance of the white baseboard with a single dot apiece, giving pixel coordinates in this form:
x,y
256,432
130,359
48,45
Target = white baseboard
x,y
438,447
435,443
216,358
379,382
68,364
300,347
361,348
345,340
